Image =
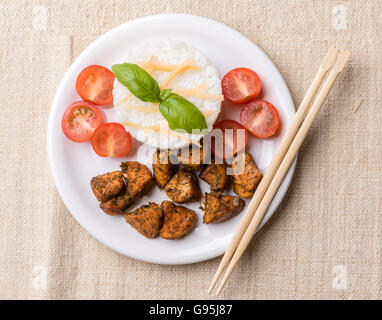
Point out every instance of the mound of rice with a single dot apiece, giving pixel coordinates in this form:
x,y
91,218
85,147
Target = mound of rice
x,y
140,122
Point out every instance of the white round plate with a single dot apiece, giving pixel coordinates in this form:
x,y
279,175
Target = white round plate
x,y
74,164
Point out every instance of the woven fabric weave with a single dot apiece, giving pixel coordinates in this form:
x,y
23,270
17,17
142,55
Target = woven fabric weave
x,y
324,241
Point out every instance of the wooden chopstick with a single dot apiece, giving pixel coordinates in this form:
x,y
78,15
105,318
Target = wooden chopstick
x,y
285,164
275,163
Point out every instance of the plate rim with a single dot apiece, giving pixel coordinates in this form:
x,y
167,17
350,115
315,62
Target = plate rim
x,y
198,258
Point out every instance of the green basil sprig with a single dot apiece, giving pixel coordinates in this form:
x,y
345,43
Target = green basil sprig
x,y
178,111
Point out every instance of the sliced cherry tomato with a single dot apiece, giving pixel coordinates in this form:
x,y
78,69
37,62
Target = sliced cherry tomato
x,y
80,120
261,118
111,140
234,139
95,84
241,85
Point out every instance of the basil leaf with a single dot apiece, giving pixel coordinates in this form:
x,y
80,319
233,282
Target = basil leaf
x,y
181,113
138,81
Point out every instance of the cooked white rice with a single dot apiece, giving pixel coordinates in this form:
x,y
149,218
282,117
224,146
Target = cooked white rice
x,y
167,51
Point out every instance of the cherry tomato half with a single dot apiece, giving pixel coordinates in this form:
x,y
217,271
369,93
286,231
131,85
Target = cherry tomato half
x,y
111,140
234,139
241,85
95,84
80,120
261,118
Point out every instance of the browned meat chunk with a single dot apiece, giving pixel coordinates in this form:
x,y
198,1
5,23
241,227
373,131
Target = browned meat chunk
x,y
246,176
163,168
192,158
138,178
178,221
183,187
216,176
117,205
147,220
219,208
107,185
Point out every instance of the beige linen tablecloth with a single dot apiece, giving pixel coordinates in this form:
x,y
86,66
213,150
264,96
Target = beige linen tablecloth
x,y
325,239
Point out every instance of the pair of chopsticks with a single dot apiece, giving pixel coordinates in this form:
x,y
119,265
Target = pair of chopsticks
x,y
281,162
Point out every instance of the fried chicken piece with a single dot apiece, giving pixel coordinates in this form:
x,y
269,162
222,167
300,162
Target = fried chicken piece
x,y
246,176
162,167
219,208
147,220
107,185
138,178
216,176
183,187
117,205
192,158
178,221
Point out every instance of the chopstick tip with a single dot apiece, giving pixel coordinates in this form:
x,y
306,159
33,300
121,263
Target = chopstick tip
x,y
329,59
341,61
216,277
